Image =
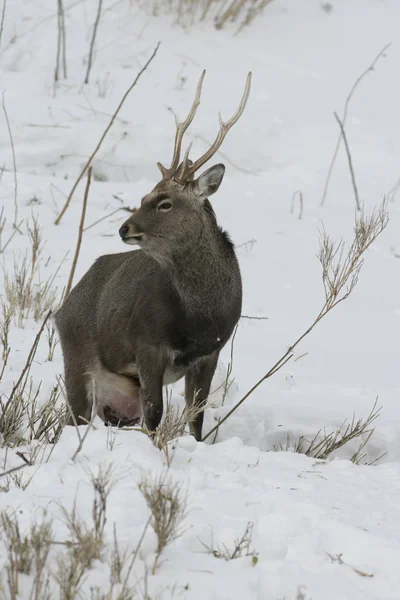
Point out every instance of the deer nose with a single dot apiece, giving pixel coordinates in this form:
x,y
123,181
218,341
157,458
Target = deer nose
x,y
123,231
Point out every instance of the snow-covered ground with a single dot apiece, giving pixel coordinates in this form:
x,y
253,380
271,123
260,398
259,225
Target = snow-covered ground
x,y
325,530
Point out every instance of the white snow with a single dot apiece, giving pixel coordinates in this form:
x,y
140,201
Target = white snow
x,y
328,528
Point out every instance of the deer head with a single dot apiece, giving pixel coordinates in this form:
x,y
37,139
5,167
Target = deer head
x,y
175,209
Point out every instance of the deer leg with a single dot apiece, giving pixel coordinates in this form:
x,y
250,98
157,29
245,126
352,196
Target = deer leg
x,y
79,400
197,387
151,372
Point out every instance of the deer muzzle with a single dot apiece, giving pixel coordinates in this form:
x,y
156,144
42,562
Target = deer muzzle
x,y
130,235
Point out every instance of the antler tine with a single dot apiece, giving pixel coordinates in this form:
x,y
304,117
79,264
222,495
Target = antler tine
x,y
180,131
223,130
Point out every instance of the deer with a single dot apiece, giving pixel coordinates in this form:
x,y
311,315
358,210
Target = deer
x,y
143,319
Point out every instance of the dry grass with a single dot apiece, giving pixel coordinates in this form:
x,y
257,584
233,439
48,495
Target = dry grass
x,y
173,425
26,554
86,543
323,444
241,547
189,13
52,340
23,420
25,294
168,507
5,322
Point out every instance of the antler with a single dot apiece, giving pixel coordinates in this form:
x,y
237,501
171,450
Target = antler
x,y
180,131
188,168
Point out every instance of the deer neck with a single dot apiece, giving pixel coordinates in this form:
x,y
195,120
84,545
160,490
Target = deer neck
x,y
202,270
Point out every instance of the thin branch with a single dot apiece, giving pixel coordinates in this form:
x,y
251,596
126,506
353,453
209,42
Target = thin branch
x,y
13,470
5,361
346,106
69,407
353,178
3,13
14,162
63,43
28,362
103,218
60,42
391,195
58,52
298,193
96,24
339,276
89,426
89,161
80,234
254,318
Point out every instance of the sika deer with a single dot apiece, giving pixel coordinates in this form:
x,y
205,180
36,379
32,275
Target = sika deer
x,y
139,320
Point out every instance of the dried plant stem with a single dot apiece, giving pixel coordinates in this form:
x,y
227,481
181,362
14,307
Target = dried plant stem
x,y
281,362
3,14
96,24
339,277
346,107
103,218
351,168
61,49
88,428
5,361
91,157
14,162
28,363
69,407
80,235
13,470
135,554
298,193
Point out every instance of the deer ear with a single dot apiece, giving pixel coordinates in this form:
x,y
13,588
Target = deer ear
x,y
209,181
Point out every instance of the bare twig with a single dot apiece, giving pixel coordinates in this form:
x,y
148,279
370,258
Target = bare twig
x,y
339,278
14,162
80,234
96,24
26,460
28,362
13,470
351,168
61,50
63,44
346,107
5,361
338,558
391,195
103,218
298,193
135,554
88,428
91,157
251,318
3,13
69,407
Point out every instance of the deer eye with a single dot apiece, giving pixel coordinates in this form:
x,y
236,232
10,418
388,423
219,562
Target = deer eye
x,y
165,206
